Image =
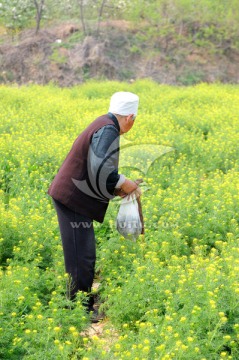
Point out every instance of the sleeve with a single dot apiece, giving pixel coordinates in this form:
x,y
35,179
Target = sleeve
x,y
104,158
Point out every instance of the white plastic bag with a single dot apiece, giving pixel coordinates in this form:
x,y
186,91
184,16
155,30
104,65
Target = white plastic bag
x,y
128,219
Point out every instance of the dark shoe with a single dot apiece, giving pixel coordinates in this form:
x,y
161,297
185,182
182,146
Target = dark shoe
x,y
95,316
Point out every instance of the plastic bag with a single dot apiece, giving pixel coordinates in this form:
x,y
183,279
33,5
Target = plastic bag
x,y
128,219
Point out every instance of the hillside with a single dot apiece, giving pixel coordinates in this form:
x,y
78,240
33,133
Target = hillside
x,y
61,54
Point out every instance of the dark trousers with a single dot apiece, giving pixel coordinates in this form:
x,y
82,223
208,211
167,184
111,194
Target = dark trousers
x,y
78,240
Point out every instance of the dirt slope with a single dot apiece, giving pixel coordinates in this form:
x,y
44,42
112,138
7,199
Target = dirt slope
x,y
61,54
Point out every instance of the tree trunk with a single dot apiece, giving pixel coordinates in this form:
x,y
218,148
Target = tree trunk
x,y
39,9
82,16
100,17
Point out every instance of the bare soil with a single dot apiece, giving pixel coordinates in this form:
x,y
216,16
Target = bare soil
x,y
60,54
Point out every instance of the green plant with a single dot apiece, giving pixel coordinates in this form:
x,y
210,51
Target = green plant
x,y
58,57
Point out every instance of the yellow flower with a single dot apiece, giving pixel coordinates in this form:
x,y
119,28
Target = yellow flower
x,y
224,319
160,347
72,328
183,319
95,338
227,337
223,354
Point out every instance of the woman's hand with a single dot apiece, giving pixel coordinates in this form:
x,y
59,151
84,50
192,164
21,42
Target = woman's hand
x,y
120,192
131,188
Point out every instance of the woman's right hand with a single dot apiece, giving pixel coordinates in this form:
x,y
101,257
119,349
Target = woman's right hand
x,y
130,187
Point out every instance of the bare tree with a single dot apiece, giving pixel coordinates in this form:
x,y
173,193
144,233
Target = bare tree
x,y
39,5
101,9
92,12
81,3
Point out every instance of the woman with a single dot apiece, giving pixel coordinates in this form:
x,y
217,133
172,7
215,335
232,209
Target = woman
x,y
84,184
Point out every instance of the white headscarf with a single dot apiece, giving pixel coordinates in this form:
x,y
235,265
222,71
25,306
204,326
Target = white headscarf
x,y
124,103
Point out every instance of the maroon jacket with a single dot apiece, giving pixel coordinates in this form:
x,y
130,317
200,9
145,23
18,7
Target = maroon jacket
x,y
76,195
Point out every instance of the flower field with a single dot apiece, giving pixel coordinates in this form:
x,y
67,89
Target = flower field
x,y
172,294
